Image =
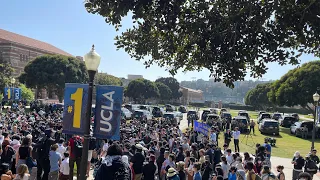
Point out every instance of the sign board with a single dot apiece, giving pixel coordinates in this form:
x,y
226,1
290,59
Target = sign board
x,y
203,128
108,112
75,106
12,94
318,115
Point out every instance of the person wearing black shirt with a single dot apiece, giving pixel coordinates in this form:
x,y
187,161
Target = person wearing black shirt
x,y
180,155
298,163
210,153
149,170
137,162
160,160
227,137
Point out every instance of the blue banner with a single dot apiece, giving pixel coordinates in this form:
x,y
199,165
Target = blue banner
x,y
108,112
75,106
203,128
16,94
8,94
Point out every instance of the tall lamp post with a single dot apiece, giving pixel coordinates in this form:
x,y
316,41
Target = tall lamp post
x,y
316,98
92,61
13,80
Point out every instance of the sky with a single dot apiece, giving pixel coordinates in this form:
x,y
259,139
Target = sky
x,y
67,25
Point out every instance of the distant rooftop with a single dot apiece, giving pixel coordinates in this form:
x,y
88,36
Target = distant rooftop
x,y
191,90
33,43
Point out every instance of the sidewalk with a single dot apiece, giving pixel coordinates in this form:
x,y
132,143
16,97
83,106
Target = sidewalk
x,y
288,167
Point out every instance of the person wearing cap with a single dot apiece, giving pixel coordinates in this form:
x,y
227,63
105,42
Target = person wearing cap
x,y
150,169
298,163
172,174
311,163
266,173
137,162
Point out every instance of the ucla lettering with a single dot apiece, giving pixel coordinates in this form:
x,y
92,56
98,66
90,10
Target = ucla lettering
x,y
105,108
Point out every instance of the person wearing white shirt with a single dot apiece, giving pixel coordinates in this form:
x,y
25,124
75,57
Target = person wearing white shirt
x,y
64,167
229,156
213,137
236,135
61,149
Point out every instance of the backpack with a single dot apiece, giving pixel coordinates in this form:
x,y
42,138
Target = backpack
x,y
77,150
311,166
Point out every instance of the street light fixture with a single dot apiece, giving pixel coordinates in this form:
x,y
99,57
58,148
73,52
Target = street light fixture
x,y
92,61
316,98
13,81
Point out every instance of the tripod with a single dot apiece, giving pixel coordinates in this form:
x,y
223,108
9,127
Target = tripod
x,y
246,137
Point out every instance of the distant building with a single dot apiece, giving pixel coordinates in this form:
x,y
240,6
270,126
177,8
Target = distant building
x,y
133,77
19,50
190,96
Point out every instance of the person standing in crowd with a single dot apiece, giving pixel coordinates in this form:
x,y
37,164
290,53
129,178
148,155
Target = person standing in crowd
x,y
113,167
23,173
266,174
7,153
196,170
298,163
61,149
232,174
15,145
225,167
281,175
227,137
24,151
137,162
311,163
55,161
267,151
180,169
64,167
172,174
92,146
75,152
213,136
252,124
251,175
150,169
43,149
236,136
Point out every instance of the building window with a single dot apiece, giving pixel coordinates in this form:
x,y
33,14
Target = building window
x,y
27,57
23,57
20,57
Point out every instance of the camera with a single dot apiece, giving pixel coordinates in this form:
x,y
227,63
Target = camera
x,y
272,141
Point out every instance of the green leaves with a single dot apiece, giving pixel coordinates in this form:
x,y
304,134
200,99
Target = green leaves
x,y
258,96
226,37
26,93
5,73
173,85
141,90
164,91
297,86
53,71
106,79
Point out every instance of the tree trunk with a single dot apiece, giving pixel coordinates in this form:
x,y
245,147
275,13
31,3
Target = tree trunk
x,y
60,94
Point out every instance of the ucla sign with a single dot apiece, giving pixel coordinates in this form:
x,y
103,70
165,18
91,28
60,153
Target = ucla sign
x,y
108,112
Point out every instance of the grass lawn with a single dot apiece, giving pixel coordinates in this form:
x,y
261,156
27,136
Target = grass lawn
x,y
286,144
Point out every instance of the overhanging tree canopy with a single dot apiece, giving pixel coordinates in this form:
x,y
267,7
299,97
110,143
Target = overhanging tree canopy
x,y
227,37
106,79
297,86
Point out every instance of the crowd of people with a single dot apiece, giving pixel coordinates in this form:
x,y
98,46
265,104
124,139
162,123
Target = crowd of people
x,y
34,147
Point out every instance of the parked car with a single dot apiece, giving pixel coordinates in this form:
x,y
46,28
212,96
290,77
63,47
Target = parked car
x,y
296,128
276,116
179,115
171,116
223,110
295,115
214,110
142,115
226,116
264,116
269,126
126,113
287,121
182,109
156,111
205,114
245,114
213,120
169,108
193,113
241,122
261,112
